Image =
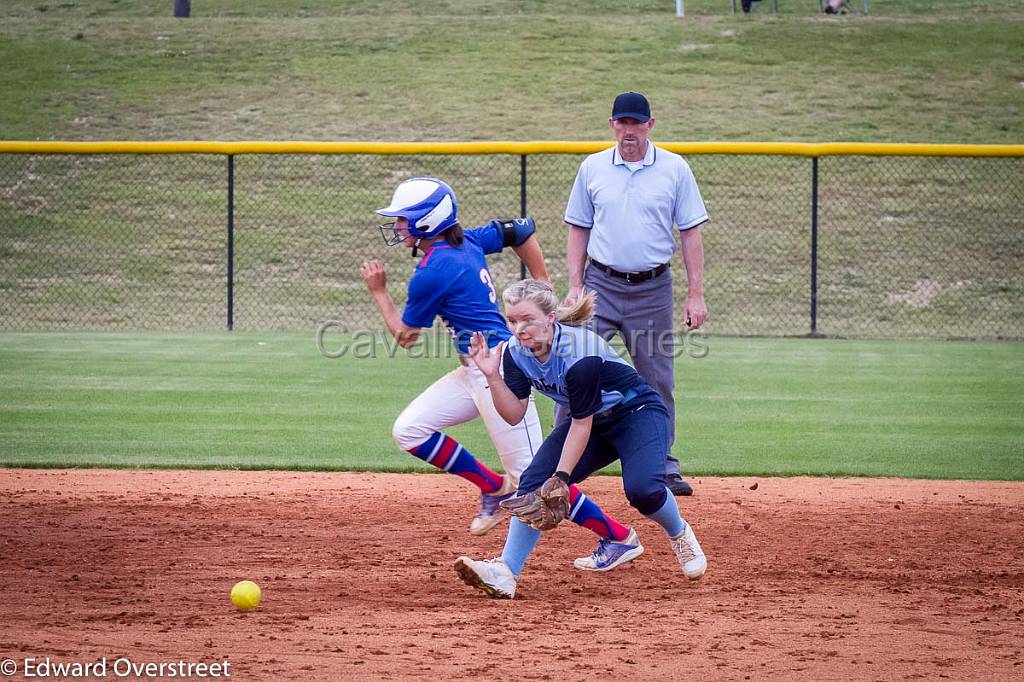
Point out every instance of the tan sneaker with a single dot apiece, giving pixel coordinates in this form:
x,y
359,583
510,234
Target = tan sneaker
x,y
690,555
490,514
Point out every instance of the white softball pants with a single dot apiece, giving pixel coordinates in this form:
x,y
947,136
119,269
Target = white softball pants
x,y
461,396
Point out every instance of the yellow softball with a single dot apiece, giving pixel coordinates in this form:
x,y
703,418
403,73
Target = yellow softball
x,y
246,595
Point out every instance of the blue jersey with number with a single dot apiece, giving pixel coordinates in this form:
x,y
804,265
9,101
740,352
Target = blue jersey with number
x,y
454,282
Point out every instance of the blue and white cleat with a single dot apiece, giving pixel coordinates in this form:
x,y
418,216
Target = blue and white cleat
x,y
490,514
610,554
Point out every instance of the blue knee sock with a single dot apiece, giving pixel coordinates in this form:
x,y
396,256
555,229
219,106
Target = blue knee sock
x,y
668,517
520,542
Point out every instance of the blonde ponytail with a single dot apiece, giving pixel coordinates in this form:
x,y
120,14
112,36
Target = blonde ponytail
x,y
579,313
542,295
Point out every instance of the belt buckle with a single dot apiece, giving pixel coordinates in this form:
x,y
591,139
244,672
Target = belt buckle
x,y
629,277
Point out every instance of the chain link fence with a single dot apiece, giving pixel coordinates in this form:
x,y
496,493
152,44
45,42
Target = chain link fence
x,y
907,247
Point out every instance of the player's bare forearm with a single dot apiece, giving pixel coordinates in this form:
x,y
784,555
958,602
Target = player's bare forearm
x,y
404,334
511,408
533,258
576,255
575,443
488,361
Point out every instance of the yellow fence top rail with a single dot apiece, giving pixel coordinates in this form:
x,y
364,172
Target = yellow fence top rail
x,y
517,148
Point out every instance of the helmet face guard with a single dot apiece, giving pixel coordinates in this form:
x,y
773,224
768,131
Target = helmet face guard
x,y
427,203
390,234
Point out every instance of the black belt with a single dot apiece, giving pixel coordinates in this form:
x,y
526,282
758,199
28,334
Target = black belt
x,y
630,277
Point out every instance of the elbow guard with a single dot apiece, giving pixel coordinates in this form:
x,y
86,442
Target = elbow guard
x,y
514,231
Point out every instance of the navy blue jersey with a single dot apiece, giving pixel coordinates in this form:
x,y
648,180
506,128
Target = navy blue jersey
x,y
582,371
454,282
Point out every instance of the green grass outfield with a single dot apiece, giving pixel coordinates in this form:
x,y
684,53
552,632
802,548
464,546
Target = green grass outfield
x,y
749,407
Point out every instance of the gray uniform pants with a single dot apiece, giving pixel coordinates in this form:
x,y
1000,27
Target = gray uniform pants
x,y
642,314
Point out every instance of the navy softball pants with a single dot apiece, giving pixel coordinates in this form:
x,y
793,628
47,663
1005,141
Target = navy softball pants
x,y
637,435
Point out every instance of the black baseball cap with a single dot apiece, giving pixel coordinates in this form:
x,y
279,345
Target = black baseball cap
x,y
631,105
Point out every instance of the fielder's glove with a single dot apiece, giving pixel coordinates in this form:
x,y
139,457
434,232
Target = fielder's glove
x,y
542,509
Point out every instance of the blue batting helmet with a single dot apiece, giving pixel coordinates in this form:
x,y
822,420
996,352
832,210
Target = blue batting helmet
x,y
427,203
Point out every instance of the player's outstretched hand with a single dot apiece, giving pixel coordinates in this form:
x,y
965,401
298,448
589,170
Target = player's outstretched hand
x,y
488,360
374,276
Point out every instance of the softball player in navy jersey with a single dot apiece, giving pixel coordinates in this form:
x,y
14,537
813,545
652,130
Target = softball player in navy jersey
x,y
614,415
452,281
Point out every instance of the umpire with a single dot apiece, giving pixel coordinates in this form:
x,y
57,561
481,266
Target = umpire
x,y
621,213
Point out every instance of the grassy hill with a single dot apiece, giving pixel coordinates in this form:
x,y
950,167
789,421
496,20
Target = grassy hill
x,y
914,70
138,242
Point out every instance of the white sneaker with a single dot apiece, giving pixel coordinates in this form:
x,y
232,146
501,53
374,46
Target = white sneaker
x,y
690,555
610,554
490,514
492,576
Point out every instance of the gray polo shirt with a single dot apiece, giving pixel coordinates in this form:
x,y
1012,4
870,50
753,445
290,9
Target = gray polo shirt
x,y
631,208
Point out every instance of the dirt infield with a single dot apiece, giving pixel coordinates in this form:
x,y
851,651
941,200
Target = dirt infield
x,y
807,578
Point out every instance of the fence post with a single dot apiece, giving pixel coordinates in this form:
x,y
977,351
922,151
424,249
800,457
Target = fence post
x,y
522,204
814,246
231,242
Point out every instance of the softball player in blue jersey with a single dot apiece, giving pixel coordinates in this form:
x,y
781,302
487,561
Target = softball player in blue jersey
x,y
452,281
614,415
